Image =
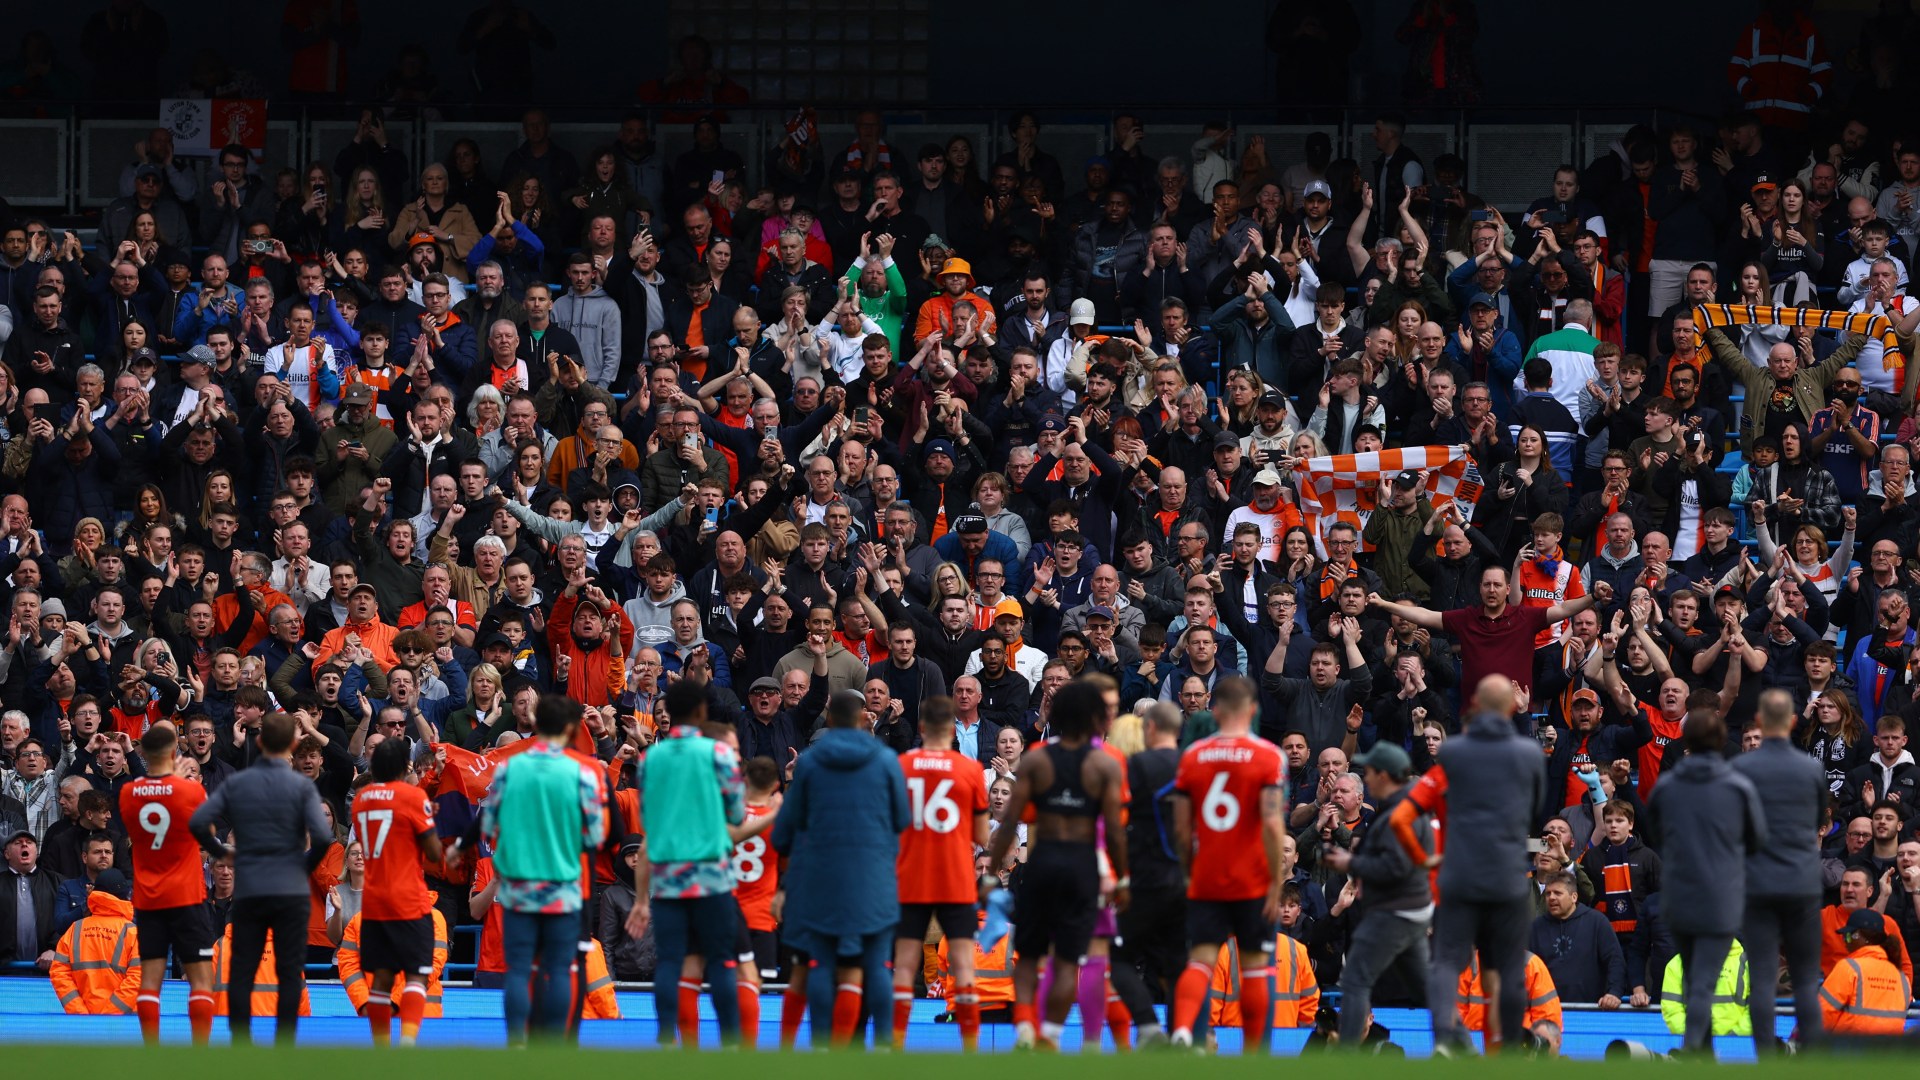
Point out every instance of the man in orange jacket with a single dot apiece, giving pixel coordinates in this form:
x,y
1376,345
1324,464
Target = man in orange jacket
x,y
251,573
95,966
354,980
364,628
1543,1019
1865,994
266,985
956,290
1856,888
1295,994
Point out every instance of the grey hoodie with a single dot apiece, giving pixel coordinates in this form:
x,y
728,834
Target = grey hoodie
x,y
594,321
652,619
1705,820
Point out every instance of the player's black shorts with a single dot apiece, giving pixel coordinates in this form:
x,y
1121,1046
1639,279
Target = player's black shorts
x,y
956,921
1212,922
404,945
766,952
187,930
1057,900
742,937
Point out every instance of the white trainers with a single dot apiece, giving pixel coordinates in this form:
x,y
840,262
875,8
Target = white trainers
x,y
1182,1038
1023,1036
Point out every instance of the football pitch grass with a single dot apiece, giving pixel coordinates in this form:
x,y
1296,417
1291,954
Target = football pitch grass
x,y
223,1063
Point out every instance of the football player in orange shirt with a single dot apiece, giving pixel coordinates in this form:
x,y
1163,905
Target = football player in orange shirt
x,y
1234,860
169,891
947,794
393,821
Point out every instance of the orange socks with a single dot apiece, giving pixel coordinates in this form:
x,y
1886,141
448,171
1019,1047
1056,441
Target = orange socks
x,y
1256,1010
148,1006
1190,993
902,1015
793,1009
199,1016
689,1015
1120,1022
966,1009
380,1018
413,1006
749,995
846,1014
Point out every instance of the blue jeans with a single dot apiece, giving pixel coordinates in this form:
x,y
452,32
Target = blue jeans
x,y
540,951
871,953
702,925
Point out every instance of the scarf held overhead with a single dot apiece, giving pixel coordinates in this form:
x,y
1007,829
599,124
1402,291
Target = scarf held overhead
x,y
1341,487
1894,359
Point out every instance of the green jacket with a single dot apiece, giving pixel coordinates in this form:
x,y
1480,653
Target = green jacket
x,y
341,479
889,309
1393,535
1809,384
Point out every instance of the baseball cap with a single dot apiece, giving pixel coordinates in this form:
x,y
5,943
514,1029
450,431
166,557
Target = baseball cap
x,y
631,843
146,170
764,683
937,446
17,834
495,639
356,393
114,883
1865,921
1274,398
1100,160
1408,478
1266,478
142,355
1052,422
419,238
1225,439
1316,187
1481,299
1728,590
1765,182
1081,313
1103,611
1587,695
199,354
365,586
1388,758
1009,606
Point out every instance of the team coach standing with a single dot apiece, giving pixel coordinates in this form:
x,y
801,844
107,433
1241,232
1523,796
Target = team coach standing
x,y
840,826
279,835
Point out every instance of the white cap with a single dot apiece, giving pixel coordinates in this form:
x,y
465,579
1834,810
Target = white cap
x,y
1081,313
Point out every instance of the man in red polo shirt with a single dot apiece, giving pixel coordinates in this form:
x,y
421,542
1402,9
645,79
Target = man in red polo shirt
x,y
1496,638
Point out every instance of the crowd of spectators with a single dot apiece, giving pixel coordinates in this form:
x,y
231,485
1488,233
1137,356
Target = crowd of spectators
x,y
397,446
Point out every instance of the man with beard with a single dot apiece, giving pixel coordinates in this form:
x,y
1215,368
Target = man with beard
x,y
487,299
